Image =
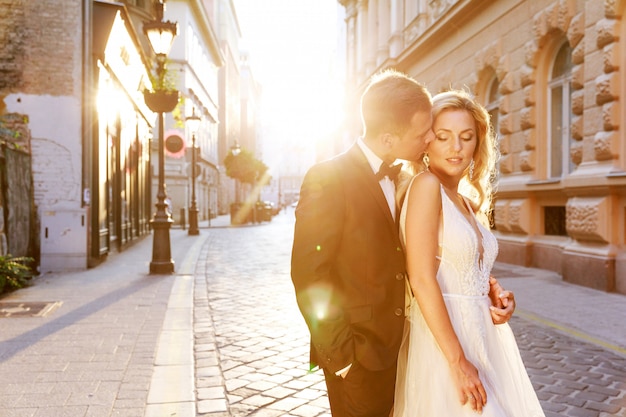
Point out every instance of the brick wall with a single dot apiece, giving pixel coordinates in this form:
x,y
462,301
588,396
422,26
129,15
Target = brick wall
x,y
41,46
12,41
40,78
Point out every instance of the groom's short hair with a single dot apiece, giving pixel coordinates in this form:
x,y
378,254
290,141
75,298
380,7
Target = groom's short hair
x,y
390,101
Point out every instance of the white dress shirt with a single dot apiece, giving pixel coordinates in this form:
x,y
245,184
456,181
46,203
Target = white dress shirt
x,y
387,185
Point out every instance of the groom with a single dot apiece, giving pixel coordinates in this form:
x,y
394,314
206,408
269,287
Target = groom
x,y
348,266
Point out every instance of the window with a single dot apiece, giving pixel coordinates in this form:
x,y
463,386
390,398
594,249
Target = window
x,y
493,104
559,97
493,107
554,220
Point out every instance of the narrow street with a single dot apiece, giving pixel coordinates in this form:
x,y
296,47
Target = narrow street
x,y
223,336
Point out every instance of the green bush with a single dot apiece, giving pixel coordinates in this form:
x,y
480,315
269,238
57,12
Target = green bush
x,y
15,272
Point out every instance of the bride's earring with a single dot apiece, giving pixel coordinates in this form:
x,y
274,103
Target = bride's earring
x,y
471,170
426,161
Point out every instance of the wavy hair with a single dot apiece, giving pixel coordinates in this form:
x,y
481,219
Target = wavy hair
x,y
479,189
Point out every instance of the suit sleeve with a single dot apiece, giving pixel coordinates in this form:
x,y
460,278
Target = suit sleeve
x,y
318,232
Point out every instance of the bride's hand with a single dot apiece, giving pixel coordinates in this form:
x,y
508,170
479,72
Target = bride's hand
x,y
469,385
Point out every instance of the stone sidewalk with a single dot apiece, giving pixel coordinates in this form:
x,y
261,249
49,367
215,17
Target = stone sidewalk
x,y
588,314
104,349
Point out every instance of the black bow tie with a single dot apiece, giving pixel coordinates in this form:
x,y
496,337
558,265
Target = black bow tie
x,y
390,171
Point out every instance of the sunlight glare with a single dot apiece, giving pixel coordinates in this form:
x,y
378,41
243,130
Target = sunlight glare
x,y
293,53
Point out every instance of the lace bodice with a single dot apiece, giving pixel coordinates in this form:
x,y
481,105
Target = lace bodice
x,y
461,270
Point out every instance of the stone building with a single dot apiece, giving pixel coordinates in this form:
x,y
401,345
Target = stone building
x,y
71,80
229,33
552,73
196,58
73,72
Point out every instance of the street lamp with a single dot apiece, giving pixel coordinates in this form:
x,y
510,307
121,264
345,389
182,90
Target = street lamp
x,y
210,184
236,150
193,122
161,100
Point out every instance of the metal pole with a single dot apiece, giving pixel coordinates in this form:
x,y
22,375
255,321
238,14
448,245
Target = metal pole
x,y
162,262
161,100
193,210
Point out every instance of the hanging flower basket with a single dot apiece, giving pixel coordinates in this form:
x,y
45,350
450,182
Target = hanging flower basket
x,y
161,101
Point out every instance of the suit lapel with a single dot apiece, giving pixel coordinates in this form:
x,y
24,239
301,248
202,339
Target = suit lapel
x,y
368,181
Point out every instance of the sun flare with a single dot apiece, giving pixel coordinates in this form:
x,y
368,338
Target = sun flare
x,y
295,60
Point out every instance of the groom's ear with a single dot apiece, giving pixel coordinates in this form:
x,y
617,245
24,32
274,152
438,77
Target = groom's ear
x,y
387,140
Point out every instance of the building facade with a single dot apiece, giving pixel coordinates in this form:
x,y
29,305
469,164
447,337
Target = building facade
x,y
115,138
73,74
196,59
89,126
229,34
553,76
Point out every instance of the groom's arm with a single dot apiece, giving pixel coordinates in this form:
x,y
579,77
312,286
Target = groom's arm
x,y
318,232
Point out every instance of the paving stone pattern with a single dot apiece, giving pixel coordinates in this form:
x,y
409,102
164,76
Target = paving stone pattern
x,y
571,377
261,339
92,357
251,344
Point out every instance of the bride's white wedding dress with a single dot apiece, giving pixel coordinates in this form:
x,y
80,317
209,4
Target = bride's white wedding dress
x,y
424,385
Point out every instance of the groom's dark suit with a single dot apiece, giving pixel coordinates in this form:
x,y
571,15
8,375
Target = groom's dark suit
x,y
348,268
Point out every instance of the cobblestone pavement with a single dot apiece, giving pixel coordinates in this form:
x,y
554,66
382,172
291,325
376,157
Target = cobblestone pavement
x,y
251,339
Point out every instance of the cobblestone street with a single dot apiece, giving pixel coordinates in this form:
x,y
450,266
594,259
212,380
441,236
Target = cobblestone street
x,y
261,341
223,336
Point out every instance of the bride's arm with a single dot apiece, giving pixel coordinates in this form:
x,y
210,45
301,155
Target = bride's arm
x,y
422,231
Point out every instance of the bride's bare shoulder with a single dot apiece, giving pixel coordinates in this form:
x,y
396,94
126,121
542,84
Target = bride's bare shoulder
x,y
425,187
425,179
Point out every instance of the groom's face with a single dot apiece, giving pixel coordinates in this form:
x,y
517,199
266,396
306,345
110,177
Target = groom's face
x,y
411,144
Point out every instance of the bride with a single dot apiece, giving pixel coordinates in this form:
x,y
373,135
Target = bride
x,y
454,361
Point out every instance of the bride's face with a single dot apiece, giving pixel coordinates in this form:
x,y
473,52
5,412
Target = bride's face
x,y
455,141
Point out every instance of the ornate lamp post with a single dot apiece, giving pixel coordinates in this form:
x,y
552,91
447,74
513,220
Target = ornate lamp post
x,y
236,150
210,195
161,100
193,122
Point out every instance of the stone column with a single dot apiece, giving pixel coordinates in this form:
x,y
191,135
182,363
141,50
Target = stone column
x,y
396,24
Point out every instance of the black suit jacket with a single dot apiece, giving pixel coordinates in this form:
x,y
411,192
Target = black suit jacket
x,y
348,266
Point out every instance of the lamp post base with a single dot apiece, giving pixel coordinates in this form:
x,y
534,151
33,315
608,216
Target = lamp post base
x,y
193,221
162,262
162,268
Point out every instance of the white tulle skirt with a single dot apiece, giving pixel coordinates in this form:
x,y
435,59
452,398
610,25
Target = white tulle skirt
x,y
424,385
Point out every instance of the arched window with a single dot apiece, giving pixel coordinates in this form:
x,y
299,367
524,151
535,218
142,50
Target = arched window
x,y
493,104
560,112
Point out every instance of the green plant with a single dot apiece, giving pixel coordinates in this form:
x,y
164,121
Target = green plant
x,y
15,272
163,79
177,113
244,167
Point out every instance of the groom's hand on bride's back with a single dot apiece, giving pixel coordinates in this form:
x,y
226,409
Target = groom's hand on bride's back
x,y
502,302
